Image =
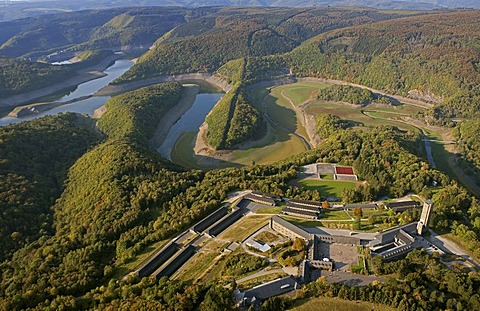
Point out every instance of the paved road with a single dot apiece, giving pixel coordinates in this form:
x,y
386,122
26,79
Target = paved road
x,y
348,278
259,274
450,247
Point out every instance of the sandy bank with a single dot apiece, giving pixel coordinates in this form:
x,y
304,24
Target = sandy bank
x,y
112,90
26,110
189,94
84,75
292,79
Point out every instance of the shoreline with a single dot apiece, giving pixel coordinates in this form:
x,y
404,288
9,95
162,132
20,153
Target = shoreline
x,y
83,75
189,95
112,90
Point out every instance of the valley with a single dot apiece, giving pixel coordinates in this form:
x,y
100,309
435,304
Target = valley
x,y
230,158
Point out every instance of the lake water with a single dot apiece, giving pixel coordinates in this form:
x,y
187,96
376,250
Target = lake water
x,y
87,106
190,121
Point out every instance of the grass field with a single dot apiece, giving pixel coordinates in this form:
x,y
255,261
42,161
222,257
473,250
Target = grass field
x,y
244,227
183,155
266,237
336,304
368,116
334,215
269,210
303,222
327,188
194,268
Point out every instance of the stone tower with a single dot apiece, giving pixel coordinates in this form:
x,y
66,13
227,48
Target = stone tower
x,y
427,209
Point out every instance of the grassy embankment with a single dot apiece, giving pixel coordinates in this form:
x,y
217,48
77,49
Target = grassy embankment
x,y
336,304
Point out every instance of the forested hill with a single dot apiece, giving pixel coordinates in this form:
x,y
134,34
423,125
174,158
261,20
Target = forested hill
x,y
434,57
18,76
207,43
34,159
98,29
10,10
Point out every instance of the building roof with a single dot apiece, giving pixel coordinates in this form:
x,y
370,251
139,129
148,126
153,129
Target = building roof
x,y
355,205
303,207
271,289
263,247
389,235
253,197
263,194
403,204
287,210
297,230
304,202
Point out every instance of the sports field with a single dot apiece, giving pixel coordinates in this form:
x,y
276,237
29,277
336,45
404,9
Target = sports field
x,y
327,188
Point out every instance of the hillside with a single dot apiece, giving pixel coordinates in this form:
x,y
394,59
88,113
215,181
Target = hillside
x,y
194,46
126,28
84,202
20,9
434,58
34,159
18,76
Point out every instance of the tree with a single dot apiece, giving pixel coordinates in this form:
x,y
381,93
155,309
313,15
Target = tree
x,y
325,205
298,245
358,212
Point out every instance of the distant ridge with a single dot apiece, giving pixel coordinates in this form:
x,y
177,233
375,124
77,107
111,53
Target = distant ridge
x,y
20,9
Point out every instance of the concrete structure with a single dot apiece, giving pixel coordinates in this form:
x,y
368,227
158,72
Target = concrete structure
x,y
305,204
226,221
175,262
338,239
337,171
395,242
399,207
389,244
262,198
157,260
302,208
358,205
300,213
288,229
210,219
258,294
263,247
315,260
426,211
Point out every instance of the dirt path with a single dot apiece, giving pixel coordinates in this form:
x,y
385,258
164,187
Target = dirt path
x,y
189,94
410,101
307,121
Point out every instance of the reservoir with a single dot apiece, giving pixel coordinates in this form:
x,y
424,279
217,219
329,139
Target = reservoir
x,y
87,106
190,121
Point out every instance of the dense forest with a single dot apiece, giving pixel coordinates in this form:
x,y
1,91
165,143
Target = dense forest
x,y
351,95
103,201
243,32
18,76
95,29
134,115
468,140
406,56
34,159
232,121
